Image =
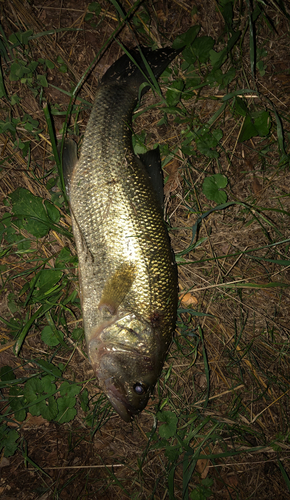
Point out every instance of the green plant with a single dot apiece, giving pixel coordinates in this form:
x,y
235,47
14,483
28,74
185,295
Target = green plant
x,y
224,144
211,188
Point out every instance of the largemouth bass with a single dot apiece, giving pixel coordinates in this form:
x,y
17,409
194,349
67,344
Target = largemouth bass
x,y
127,274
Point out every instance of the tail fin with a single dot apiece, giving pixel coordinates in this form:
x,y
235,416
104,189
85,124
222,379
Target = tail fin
x,y
133,72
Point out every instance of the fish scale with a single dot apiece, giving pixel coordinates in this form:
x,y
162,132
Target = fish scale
x,y
128,278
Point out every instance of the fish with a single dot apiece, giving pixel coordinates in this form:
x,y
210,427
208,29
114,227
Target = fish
x,y
127,271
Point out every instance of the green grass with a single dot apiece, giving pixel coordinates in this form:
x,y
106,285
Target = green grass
x,y
221,405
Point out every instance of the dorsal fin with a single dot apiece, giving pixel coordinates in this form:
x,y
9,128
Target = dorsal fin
x,y
152,162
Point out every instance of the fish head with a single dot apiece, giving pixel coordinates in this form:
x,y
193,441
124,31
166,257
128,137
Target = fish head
x,y
128,383
128,363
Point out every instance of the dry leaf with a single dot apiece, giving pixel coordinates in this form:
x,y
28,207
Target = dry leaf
x,y
4,462
249,164
173,181
202,467
30,421
189,300
256,186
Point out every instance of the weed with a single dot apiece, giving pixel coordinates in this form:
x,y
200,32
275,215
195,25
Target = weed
x,y
221,406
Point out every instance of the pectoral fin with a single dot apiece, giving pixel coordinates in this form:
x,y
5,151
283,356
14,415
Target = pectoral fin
x,y
117,287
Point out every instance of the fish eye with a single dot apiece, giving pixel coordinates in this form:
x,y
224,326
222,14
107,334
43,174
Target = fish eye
x,y
139,388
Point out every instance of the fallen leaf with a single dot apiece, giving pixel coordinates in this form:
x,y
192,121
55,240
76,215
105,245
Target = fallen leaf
x,y
256,186
173,181
189,300
249,164
4,462
202,467
30,421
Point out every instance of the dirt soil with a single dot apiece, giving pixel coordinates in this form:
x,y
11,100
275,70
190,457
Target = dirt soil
x,y
74,461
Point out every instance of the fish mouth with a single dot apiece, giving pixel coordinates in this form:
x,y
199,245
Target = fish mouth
x,y
125,410
116,368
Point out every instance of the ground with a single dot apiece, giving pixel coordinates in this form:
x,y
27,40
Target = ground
x,y
217,424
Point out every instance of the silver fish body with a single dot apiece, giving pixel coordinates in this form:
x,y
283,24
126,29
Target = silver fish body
x,y
127,274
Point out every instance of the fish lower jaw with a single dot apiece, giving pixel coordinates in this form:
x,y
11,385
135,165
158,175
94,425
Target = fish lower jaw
x,y
121,403
117,402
